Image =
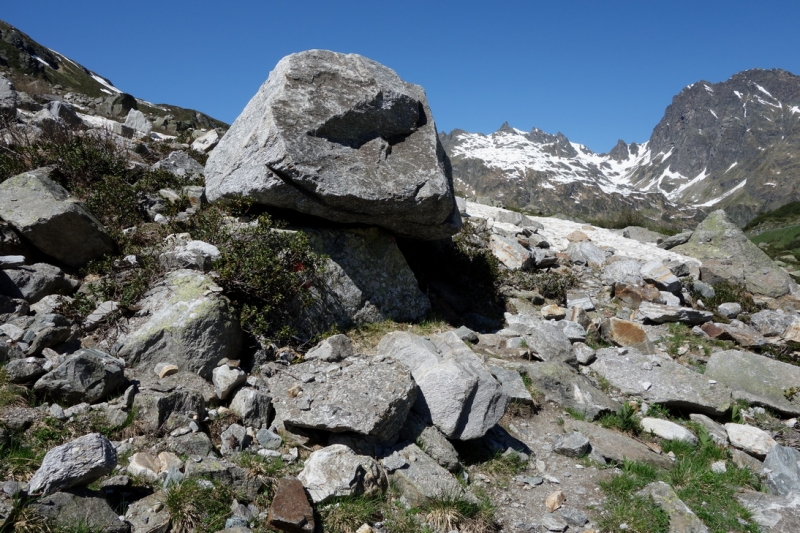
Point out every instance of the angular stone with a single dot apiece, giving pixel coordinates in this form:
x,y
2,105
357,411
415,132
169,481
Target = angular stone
x,y
756,378
226,379
553,312
681,518
739,332
145,466
290,510
561,384
511,253
775,514
206,142
770,323
189,324
78,462
572,444
585,253
360,148
422,479
728,255
52,219
187,253
512,384
369,396
668,430
436,445
254,407
34,282
656,273
337,471
150,514
668,383
64,510
583,353
545,339
781,471
25,370
457,392
632,294
579,299
168,410
675,240
234,439
617,447
754,441
661,314
716,431
623,271
268,439
138,122
222,472
334,348
180,164
626,333
729,309
86,376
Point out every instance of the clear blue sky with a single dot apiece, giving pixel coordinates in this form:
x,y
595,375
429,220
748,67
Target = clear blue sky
x,y
594,70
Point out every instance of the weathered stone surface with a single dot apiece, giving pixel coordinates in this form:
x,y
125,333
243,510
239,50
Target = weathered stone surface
x,y
737,331
656,273
55,113
667,430
337,471
369,396
34,282
579,299
661,381
226,379
457,392
143,516
616,447
623,271
562,385
181,164
512,384
234,439
417,429
545,339
675,240
781,471
681,518
422,478
52,219
206,142
361,147
661,314
626,333
727,254
756,378
775,514
771,323
144,465
585,253
254,407
223,472
78,462
366,279
511,253
334,348
553,312
158,410
632,294
25,370
729,309
189,324
138,122
86,376
716,431
186,253
754,441
88,508
572,444
290,510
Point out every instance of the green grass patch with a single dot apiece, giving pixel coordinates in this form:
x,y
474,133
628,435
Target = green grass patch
x,y
347,514
195,507
624,420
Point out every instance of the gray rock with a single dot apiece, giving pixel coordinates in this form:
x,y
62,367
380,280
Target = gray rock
x,y
234,439
616,447
512,384
572,330
436,445
423,479
667,298
167,411
46,330
99,314
583,353
781,471
86,376
268,439
192,254
366,279
56,113
181,164
362,147
623,271
188,322
206,142
728,255
751,439
561,384
572,444
661,314
681,518
88,508
34,282
756,378
574,517
579,299
716,431
334,348
8,99
775,514
369,396
656,273
226,379
675,240
704,289
457,392
78,462
466,334
585,253
661,381
668,430
220,471
254,407
143,516
337,471
138,122
770,323
626,333
11,261
545,339
25,370
511,253
729,309
52,219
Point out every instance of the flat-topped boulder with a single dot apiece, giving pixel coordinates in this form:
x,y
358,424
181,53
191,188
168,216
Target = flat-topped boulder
x,y
340,137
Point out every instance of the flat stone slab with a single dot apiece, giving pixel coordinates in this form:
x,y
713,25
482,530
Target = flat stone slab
x,y
775,514
617,447
681,518
421,478
661,381
751,439
668,430
661,314
757,379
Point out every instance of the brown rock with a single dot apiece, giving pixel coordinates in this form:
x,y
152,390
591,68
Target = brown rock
x,y
553,312
714,331
290,510
554,500
577,236
626,333
633,295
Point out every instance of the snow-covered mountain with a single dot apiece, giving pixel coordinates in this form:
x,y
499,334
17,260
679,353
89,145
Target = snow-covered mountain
x,y
733,144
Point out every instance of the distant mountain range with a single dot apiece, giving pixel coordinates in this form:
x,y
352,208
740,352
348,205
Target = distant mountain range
x,y
732,145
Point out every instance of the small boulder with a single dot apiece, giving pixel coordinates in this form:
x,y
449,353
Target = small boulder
x,y
86,376
180,164
226,379
334,348
75,463
290,510
34,282
668,430
337,471
752,440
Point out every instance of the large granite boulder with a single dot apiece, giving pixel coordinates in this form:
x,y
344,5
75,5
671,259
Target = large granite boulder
x,y
728,255
368,396
757,379
52,219
185,321
457,392
86,376
340,137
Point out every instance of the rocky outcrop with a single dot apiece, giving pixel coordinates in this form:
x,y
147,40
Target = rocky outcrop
x,y
52,219
86,376
361,147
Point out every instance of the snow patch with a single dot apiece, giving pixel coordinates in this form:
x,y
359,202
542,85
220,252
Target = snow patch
x,y
763,90
708,89
737,93
731,167
720,198
40,60
104,83
712,112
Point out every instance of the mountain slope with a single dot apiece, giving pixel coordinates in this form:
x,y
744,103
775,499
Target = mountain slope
x,y
44,74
